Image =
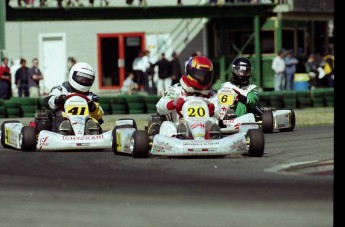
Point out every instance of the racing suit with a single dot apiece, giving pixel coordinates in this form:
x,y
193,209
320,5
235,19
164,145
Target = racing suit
x,y
96,111
181,90
247,96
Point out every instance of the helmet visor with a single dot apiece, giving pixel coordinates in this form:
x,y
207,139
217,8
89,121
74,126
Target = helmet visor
x,y
204,77
83,79
242,71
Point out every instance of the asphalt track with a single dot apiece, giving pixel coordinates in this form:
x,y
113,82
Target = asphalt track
x,y
285,187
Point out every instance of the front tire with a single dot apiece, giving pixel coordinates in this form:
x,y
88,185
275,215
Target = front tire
x,y
28,137
141,144
256,140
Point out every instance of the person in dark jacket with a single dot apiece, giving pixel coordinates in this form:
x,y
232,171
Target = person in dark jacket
x,y
164,74
176,71
22,79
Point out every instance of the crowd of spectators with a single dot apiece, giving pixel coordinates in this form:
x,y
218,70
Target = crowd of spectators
x,y
154,77
320,70
26,80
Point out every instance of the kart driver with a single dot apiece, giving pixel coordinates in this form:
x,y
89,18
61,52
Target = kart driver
x,y
247,93
80,80
195,82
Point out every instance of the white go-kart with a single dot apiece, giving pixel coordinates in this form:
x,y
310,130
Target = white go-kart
x,y
197,134
78,131
267,118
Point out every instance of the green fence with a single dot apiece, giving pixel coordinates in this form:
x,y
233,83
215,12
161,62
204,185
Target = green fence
x,y
138,104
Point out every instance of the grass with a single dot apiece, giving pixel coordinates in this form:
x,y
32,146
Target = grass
x,y
314,116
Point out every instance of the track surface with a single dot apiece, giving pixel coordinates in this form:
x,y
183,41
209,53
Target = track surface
x,y
101,189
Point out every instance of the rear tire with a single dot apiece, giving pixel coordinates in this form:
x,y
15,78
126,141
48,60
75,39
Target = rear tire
x,y
256,142
3,132
267,121
141,144
28,136
293,123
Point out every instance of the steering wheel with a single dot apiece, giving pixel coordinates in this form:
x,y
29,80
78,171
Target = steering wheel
x,y
80,95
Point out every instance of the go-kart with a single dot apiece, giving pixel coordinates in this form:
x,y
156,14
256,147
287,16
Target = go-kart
x,y
267,118
197,134
78,130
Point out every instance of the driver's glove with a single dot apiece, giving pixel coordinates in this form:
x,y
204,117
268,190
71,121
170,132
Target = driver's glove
x,y
91,105
241,98
60,100
178,105
211,109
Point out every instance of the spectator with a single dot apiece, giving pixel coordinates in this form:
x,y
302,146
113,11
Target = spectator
x,y
164,75
14,67
129,86
328,68
278,66
140,66
149,85
176,71
22,79
179,2
311,67
71,61
35,76
290,70
5,80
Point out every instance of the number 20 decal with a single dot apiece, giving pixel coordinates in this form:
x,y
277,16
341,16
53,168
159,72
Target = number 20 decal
x,y
196,112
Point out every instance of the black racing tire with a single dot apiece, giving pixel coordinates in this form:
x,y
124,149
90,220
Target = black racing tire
x,y
2,135
267,121
141,144
293,123
134,123
114,140
256,142
28,136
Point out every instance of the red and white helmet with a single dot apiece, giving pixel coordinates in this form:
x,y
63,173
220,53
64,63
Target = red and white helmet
x,y
199,73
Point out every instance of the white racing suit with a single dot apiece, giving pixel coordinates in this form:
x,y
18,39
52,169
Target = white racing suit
x,y
66,89
177,91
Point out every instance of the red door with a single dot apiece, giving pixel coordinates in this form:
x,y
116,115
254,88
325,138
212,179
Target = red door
x,y
116,53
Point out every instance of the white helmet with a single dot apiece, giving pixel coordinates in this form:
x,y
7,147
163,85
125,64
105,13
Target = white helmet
x,y
81,76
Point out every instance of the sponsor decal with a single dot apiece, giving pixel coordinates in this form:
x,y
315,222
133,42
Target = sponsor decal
x,y
83,144
201,125
199,135
238,145
228,121
198,149
85,137
43,142
201,143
